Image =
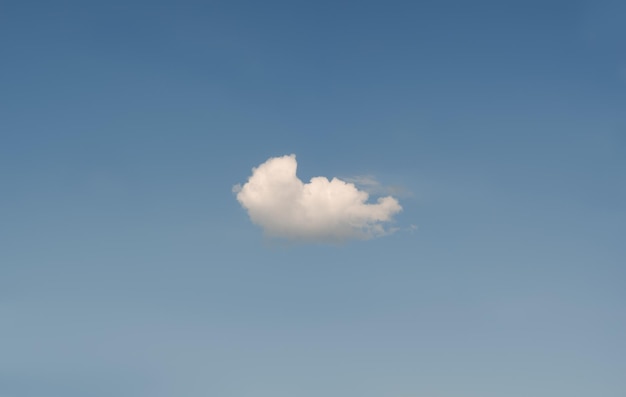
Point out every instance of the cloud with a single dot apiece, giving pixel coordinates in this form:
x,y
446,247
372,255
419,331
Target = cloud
x,y
321,210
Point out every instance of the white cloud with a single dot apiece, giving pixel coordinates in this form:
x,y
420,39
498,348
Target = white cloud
x,y
321,210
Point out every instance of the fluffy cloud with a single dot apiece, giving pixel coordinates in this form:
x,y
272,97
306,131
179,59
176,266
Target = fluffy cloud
x,y
321,210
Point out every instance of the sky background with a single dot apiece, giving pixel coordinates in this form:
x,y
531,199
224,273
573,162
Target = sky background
x,y
128,268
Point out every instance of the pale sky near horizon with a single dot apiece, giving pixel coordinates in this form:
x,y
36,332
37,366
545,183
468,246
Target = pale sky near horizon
x,y
130,267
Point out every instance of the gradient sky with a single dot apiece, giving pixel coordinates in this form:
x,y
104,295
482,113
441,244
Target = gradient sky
x,y
128,268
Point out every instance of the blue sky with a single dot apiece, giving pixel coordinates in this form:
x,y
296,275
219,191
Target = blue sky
x,y
129,268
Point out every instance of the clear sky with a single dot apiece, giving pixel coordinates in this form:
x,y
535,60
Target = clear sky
x,y
129,268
